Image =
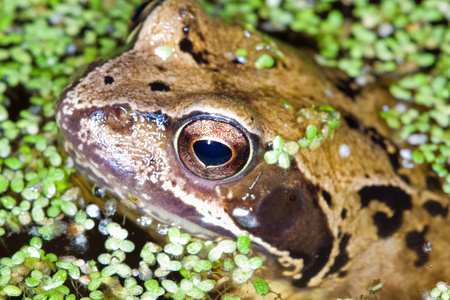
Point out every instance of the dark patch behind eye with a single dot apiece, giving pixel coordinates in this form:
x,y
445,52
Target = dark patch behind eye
x,y
159,86
434,208
297,224
109,80
395,198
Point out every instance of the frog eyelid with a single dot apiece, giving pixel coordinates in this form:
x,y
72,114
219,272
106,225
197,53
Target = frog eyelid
x,y
213,147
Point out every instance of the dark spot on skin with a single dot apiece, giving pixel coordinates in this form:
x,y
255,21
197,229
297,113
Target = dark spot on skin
x,y
351,122
381,141
109,80
376,138
342,274
348,87
393,158
200,35
405,178
395,198
433,183
327,197
414,241
434,208
198,57
186,45
343,214
160,68
159,86
342,258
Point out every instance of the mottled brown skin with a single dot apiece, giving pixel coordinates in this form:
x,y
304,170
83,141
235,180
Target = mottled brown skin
x,y
335,223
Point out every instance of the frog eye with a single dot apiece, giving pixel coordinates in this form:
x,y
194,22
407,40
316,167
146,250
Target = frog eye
x,y
213,148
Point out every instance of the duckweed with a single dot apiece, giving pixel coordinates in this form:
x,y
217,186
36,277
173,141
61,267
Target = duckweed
x,y
164,52
317,125
44,42
264,61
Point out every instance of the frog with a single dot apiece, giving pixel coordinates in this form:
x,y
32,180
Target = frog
x,y
180,123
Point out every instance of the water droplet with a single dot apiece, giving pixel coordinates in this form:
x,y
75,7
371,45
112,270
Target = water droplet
x,y
109,208
344,151
144,221
162,229
102,226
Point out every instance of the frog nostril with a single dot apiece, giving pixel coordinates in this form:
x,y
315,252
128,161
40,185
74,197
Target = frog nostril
x,y
213,147
212,153
109,80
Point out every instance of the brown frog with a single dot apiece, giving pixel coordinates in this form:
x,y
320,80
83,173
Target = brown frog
x,y
182,124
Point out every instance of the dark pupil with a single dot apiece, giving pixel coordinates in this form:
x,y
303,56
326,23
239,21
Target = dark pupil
x,y
212,153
